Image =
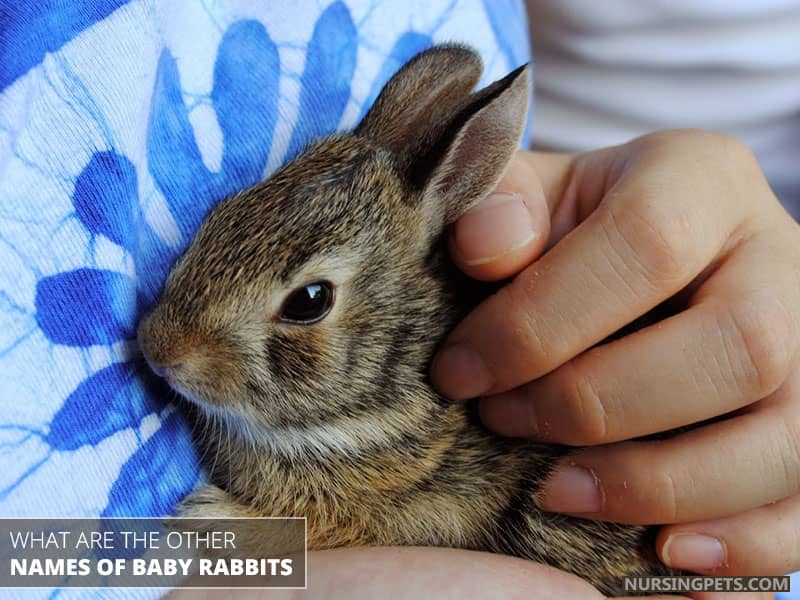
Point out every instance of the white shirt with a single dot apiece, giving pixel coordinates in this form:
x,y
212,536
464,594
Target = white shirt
x,y
609,71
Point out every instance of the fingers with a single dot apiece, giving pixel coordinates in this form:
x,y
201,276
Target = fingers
x,y
761,541
764,540
507,230
729,349
717,470
631,253
686,369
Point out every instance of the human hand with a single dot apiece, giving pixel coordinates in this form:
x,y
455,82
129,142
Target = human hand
x,y
684,216
355,573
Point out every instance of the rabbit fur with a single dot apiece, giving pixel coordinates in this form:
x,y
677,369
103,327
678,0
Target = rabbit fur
x,y
336,420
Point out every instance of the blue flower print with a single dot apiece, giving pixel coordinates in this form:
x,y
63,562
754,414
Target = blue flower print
x,y
90,306
140,194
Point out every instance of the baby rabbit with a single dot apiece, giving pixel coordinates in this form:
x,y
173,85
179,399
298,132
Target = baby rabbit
x,y
302,319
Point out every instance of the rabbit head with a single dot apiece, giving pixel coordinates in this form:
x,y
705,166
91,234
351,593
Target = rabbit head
x,y
319,295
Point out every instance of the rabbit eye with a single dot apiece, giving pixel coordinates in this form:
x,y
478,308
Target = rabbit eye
x,y
308,304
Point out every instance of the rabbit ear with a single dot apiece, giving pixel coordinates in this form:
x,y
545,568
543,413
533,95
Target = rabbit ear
x,y
450,146
473,152
421,98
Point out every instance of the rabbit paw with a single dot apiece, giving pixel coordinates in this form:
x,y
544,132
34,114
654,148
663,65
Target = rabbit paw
x,y
210,507
212,502
215,510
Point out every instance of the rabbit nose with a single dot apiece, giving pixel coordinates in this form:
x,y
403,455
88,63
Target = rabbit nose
x,y
157,343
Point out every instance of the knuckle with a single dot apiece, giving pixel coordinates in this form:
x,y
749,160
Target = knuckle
x,y
529,333
689,136
590,426
648,484
756,546
736,158
659,246
730,147
765,336
790,457
788,551
737,163
665,494
784,557
715,144
701,151
783,545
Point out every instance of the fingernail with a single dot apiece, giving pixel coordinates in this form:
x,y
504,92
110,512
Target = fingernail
x,y
693,552
460,373
510,414
498,225
571,489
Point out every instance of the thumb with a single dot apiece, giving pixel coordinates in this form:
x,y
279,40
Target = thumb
x,y
508,229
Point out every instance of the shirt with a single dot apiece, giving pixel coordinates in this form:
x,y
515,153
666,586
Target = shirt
x,y
610,71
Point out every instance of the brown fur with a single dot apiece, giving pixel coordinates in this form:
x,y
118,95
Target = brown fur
x,y
337,421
